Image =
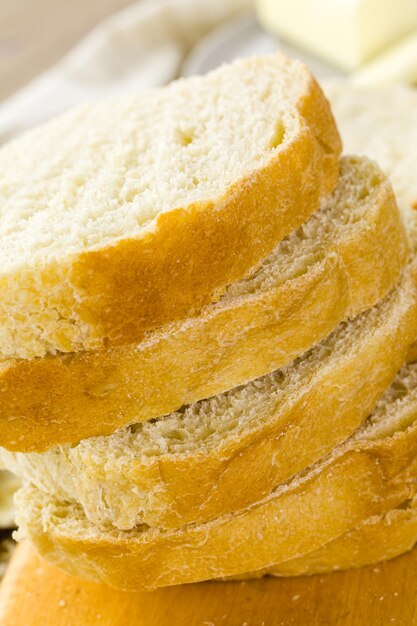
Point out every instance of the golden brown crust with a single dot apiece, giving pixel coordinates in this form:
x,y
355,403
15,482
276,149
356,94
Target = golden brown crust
x,y
365,478
54,400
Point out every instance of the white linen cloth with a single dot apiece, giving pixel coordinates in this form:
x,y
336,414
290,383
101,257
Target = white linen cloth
x,y
141,46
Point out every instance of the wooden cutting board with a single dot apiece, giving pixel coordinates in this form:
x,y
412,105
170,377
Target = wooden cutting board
x,y
36,594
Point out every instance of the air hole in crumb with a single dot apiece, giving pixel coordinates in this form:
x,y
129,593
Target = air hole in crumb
x,y
177,434
405,505
185,137
363,194
61,513
266,94
278,136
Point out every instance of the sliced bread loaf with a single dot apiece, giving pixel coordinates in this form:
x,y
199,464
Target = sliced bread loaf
x,y
346,258
365,476
127,214
186,467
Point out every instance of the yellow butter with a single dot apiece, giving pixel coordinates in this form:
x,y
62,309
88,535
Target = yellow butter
x,y
346,33
398,64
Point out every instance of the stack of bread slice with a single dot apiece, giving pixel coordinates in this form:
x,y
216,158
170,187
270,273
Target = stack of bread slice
x,y
207,330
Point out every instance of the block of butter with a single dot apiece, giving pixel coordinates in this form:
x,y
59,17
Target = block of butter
x,y
346,33
397,65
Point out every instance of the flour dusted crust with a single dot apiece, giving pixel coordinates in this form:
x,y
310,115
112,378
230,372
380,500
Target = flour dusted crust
x,y
62,293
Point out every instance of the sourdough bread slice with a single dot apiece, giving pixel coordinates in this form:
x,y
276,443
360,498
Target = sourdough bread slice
x,y
365,476
187,466
130,213
346,258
